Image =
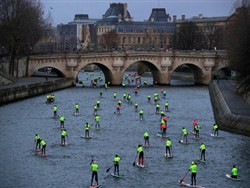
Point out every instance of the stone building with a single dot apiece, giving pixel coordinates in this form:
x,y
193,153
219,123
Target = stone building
x,y
156,33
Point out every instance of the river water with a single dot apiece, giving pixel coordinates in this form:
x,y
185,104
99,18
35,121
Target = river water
x,y
119,134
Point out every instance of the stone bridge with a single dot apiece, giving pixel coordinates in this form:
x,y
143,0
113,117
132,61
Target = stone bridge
x,y
114,64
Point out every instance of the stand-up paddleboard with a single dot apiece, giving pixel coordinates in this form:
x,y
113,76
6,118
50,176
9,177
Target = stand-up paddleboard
x,y
235,179
95,186
37,150
140,166
189,185
196,138
198,159
215,136
65,144
83,136
182,142
168,156
41,155
159,134
116,176
76,114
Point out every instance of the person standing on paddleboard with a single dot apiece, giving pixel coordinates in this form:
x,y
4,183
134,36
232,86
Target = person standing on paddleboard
x,y
98,103
62,122
141,114
162,114
136,107
94,167
157,108
97,120
124,96
87,128
43,144
55,110
118,108
64,133
185,134
193,168
234,172
37,140
95,110
141,155
168,148
194,124
216,130
116,161
163,128
146,138
77,108
203,151
166,106
149,98
197,130
114,95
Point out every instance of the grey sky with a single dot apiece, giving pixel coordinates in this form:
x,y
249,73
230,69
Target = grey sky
x,y
63,11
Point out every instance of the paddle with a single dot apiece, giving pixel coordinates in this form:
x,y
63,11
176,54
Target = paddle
x,y
181,180
92,156
180,138
135,159
109,168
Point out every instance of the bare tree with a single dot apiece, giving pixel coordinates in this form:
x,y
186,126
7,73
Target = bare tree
x,y
188,36
21,26
238,39
109,40
212,36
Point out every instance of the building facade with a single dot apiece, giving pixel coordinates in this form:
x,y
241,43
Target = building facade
x,y
117,30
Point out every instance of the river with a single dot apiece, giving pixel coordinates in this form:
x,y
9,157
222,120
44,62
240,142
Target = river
x,y
119,134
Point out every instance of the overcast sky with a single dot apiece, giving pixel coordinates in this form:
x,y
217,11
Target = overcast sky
x,y
63,11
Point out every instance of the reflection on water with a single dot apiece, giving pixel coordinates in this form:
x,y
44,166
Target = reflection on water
x,y
119,134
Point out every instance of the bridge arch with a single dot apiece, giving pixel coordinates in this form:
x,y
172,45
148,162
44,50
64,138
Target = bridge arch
x,y
196,68
222,73
35,66
108,75
154,69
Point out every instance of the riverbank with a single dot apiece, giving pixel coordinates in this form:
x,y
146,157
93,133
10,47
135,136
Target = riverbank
x,y
231,112
33,86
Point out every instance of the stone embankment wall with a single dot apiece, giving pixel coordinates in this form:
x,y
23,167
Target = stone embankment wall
x,y
31,90
224,117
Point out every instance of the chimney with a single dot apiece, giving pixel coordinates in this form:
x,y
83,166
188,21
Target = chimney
x,y
182,17
174,18
125,9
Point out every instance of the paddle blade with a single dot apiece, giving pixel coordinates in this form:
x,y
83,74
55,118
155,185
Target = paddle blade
x,y
134,163
108,170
